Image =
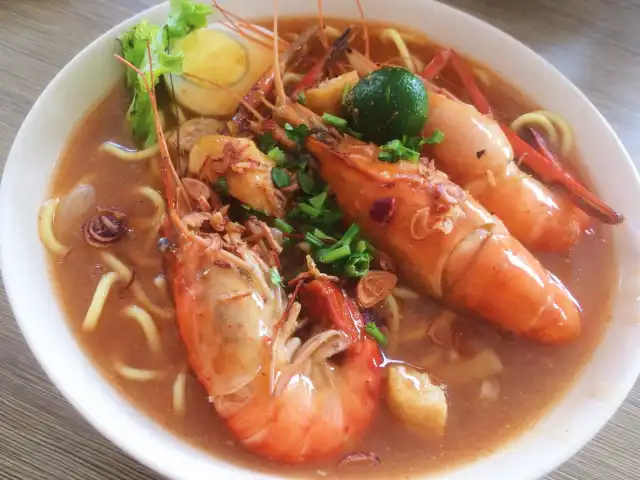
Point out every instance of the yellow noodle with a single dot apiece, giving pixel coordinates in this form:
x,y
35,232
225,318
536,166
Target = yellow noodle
x,y
124,272
135,374
394,317
45,227
393,35
404,293
566,133
142,298
179,391
147,324
129,155
158,202
415,333
97,302
535,119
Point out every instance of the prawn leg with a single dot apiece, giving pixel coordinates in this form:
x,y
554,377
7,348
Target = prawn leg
x,y
314,75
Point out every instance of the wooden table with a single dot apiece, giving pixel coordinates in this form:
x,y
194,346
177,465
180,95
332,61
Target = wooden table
x,y
596,43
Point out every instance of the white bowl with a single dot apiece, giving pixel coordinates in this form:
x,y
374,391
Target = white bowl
x,y
574,420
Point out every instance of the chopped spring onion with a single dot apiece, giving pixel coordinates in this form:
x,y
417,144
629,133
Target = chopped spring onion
x,y
309,210
355,134
280,177
361,246
357,265
274,275
302,98
340,123
283,226
313,240
323,236
374,332
277,155
333,254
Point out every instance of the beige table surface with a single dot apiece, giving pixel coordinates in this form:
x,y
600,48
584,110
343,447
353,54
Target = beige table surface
x,y
596,43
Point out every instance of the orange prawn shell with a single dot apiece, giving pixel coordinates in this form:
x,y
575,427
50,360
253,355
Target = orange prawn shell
x,y
477,155
477,267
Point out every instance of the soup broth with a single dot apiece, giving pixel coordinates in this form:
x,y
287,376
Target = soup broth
x,y
482,415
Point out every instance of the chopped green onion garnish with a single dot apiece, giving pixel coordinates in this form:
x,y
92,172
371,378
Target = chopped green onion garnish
x,y
323,236
374,332
313,240
333,254
277,155
361,246
283,226
357,265
340,123
302,98
349,235
274,275
355,134
306,182
280,178
309,210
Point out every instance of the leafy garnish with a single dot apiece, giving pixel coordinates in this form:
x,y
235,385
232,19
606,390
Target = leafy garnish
x,y
306,182
266,142
277,155
275,277
436,137
184,16
302,98
374,332
395,151
280,177
296,134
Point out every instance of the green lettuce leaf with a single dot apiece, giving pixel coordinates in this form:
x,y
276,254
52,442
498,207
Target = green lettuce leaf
x,y
184,17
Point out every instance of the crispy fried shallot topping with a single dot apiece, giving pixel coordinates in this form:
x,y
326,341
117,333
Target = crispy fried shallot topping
x,y
105,228
374,287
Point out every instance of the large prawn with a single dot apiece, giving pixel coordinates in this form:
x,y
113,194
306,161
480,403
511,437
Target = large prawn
x,y
281,397
444,243
479,154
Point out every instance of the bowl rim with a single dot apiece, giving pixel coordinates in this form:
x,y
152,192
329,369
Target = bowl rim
x,y
66,385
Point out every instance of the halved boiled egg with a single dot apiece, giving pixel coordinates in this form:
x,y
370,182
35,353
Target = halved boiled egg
x,y
223,67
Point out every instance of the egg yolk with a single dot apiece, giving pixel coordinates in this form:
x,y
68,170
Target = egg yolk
x,y
214,56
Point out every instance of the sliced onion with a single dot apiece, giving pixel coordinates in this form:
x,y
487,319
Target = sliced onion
x,y
73,208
